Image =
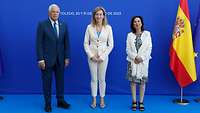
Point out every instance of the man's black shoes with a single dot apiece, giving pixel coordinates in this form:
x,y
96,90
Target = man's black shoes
x,y
47,108
63,104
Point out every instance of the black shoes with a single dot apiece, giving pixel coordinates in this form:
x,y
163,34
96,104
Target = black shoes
x,y
47,108
60,104
141,106
63,104
134,106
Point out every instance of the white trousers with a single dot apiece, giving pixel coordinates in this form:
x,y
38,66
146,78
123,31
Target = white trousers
x,y
98,75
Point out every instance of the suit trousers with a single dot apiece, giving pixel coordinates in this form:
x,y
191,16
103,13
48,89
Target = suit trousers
x,y
98,75
47,82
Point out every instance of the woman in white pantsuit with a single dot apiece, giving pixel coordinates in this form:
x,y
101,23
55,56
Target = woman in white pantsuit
x,y
98,44
138,49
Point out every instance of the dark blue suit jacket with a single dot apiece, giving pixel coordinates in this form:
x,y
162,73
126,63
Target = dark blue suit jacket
x,y
50,47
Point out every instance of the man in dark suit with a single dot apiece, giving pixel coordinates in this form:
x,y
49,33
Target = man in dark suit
x,y
53,55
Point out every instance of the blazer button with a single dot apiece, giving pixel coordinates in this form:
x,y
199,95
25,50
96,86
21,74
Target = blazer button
x,y
97,40
97,46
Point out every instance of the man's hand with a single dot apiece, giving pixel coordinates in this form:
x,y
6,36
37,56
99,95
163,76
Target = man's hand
x,y
41,64
66,62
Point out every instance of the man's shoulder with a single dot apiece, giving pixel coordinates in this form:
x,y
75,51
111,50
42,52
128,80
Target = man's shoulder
x,y
61,22
43,22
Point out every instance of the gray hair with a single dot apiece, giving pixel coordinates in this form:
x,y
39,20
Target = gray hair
x,y
53,5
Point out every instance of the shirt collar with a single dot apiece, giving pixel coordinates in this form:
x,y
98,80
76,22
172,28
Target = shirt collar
x,y
52,22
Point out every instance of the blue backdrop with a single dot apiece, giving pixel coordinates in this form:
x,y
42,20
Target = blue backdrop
x,y
19,21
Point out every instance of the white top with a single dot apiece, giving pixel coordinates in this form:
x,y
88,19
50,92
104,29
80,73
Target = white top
x,y
101,45
139,70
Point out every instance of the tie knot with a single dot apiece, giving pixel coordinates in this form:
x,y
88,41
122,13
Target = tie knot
x,y
55,23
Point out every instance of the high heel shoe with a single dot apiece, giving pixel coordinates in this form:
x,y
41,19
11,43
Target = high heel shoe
x,y
134,106
93,106
141,106
102,105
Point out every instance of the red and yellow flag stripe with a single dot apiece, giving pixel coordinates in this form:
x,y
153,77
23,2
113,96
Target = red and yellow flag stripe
x,y
182,56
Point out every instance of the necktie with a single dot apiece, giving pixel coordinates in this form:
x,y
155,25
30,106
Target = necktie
x,y
55,29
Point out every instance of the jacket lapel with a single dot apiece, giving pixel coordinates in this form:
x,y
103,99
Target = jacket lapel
x,y
102,31
51,28
95,32
133,43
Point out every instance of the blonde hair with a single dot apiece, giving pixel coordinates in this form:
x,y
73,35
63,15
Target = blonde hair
x,y
93,21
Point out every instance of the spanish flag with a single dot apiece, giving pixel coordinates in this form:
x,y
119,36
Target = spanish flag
x,y
182,62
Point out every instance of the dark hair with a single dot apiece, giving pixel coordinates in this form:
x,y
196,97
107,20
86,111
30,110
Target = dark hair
x,y
132,21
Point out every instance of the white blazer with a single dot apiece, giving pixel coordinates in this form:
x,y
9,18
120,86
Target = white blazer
x,y
139,70
101,45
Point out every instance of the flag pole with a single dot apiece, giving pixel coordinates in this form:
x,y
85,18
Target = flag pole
x,y
181,95
181,101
